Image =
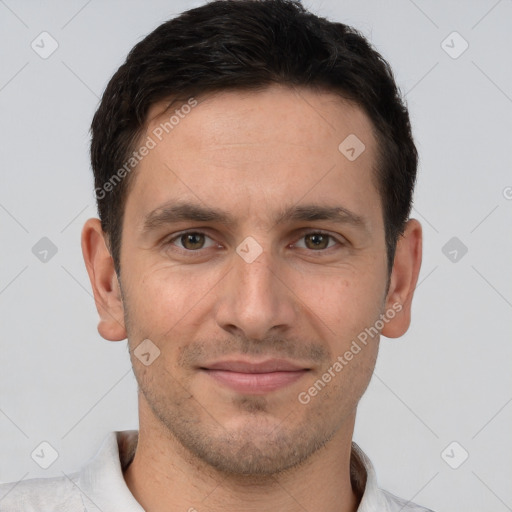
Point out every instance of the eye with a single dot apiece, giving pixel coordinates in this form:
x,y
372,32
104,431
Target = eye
x,y
191,241
318,240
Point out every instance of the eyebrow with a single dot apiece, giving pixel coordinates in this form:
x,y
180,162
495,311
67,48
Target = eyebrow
x,y
173,212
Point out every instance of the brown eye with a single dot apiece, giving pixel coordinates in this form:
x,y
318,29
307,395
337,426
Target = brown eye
x,y
317,240
192,241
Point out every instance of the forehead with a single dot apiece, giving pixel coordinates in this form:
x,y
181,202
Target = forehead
x,y
257,150
255,115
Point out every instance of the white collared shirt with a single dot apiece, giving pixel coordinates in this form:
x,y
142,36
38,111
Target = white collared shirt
x,y
100,486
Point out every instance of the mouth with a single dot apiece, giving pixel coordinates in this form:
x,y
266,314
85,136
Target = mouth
x,y
255,378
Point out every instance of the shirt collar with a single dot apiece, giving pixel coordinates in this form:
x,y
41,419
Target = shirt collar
x,y
101,481
362,472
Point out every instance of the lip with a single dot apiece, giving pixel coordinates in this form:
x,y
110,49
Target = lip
x,y
255,377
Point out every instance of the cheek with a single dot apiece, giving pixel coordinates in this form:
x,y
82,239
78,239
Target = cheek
x,y
346,305
164,296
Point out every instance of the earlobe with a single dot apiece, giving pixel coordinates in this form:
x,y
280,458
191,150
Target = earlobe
x,y
404,276
104,282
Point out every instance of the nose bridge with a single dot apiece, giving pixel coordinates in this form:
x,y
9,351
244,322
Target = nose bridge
x,y
255,278
253,299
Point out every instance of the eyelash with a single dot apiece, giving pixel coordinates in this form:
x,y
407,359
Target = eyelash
x,y
170,241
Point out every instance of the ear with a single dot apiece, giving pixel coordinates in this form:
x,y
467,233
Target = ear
x,y
105,286
404,276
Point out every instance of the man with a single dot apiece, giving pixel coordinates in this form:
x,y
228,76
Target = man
x,y
254,170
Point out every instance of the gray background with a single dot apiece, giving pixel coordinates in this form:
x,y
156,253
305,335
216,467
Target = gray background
x,y
448,379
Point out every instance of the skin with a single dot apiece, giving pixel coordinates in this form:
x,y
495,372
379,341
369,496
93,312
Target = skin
x,y
202,444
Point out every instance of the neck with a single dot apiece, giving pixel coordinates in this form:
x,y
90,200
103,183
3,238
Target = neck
x,y
164,476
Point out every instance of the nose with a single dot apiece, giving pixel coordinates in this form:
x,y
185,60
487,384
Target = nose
x,y
255,299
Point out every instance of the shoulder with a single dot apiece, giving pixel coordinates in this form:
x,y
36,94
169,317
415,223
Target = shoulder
x,y
396,504
57,494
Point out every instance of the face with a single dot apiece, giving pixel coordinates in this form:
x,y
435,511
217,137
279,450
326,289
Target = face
x,y
253,256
